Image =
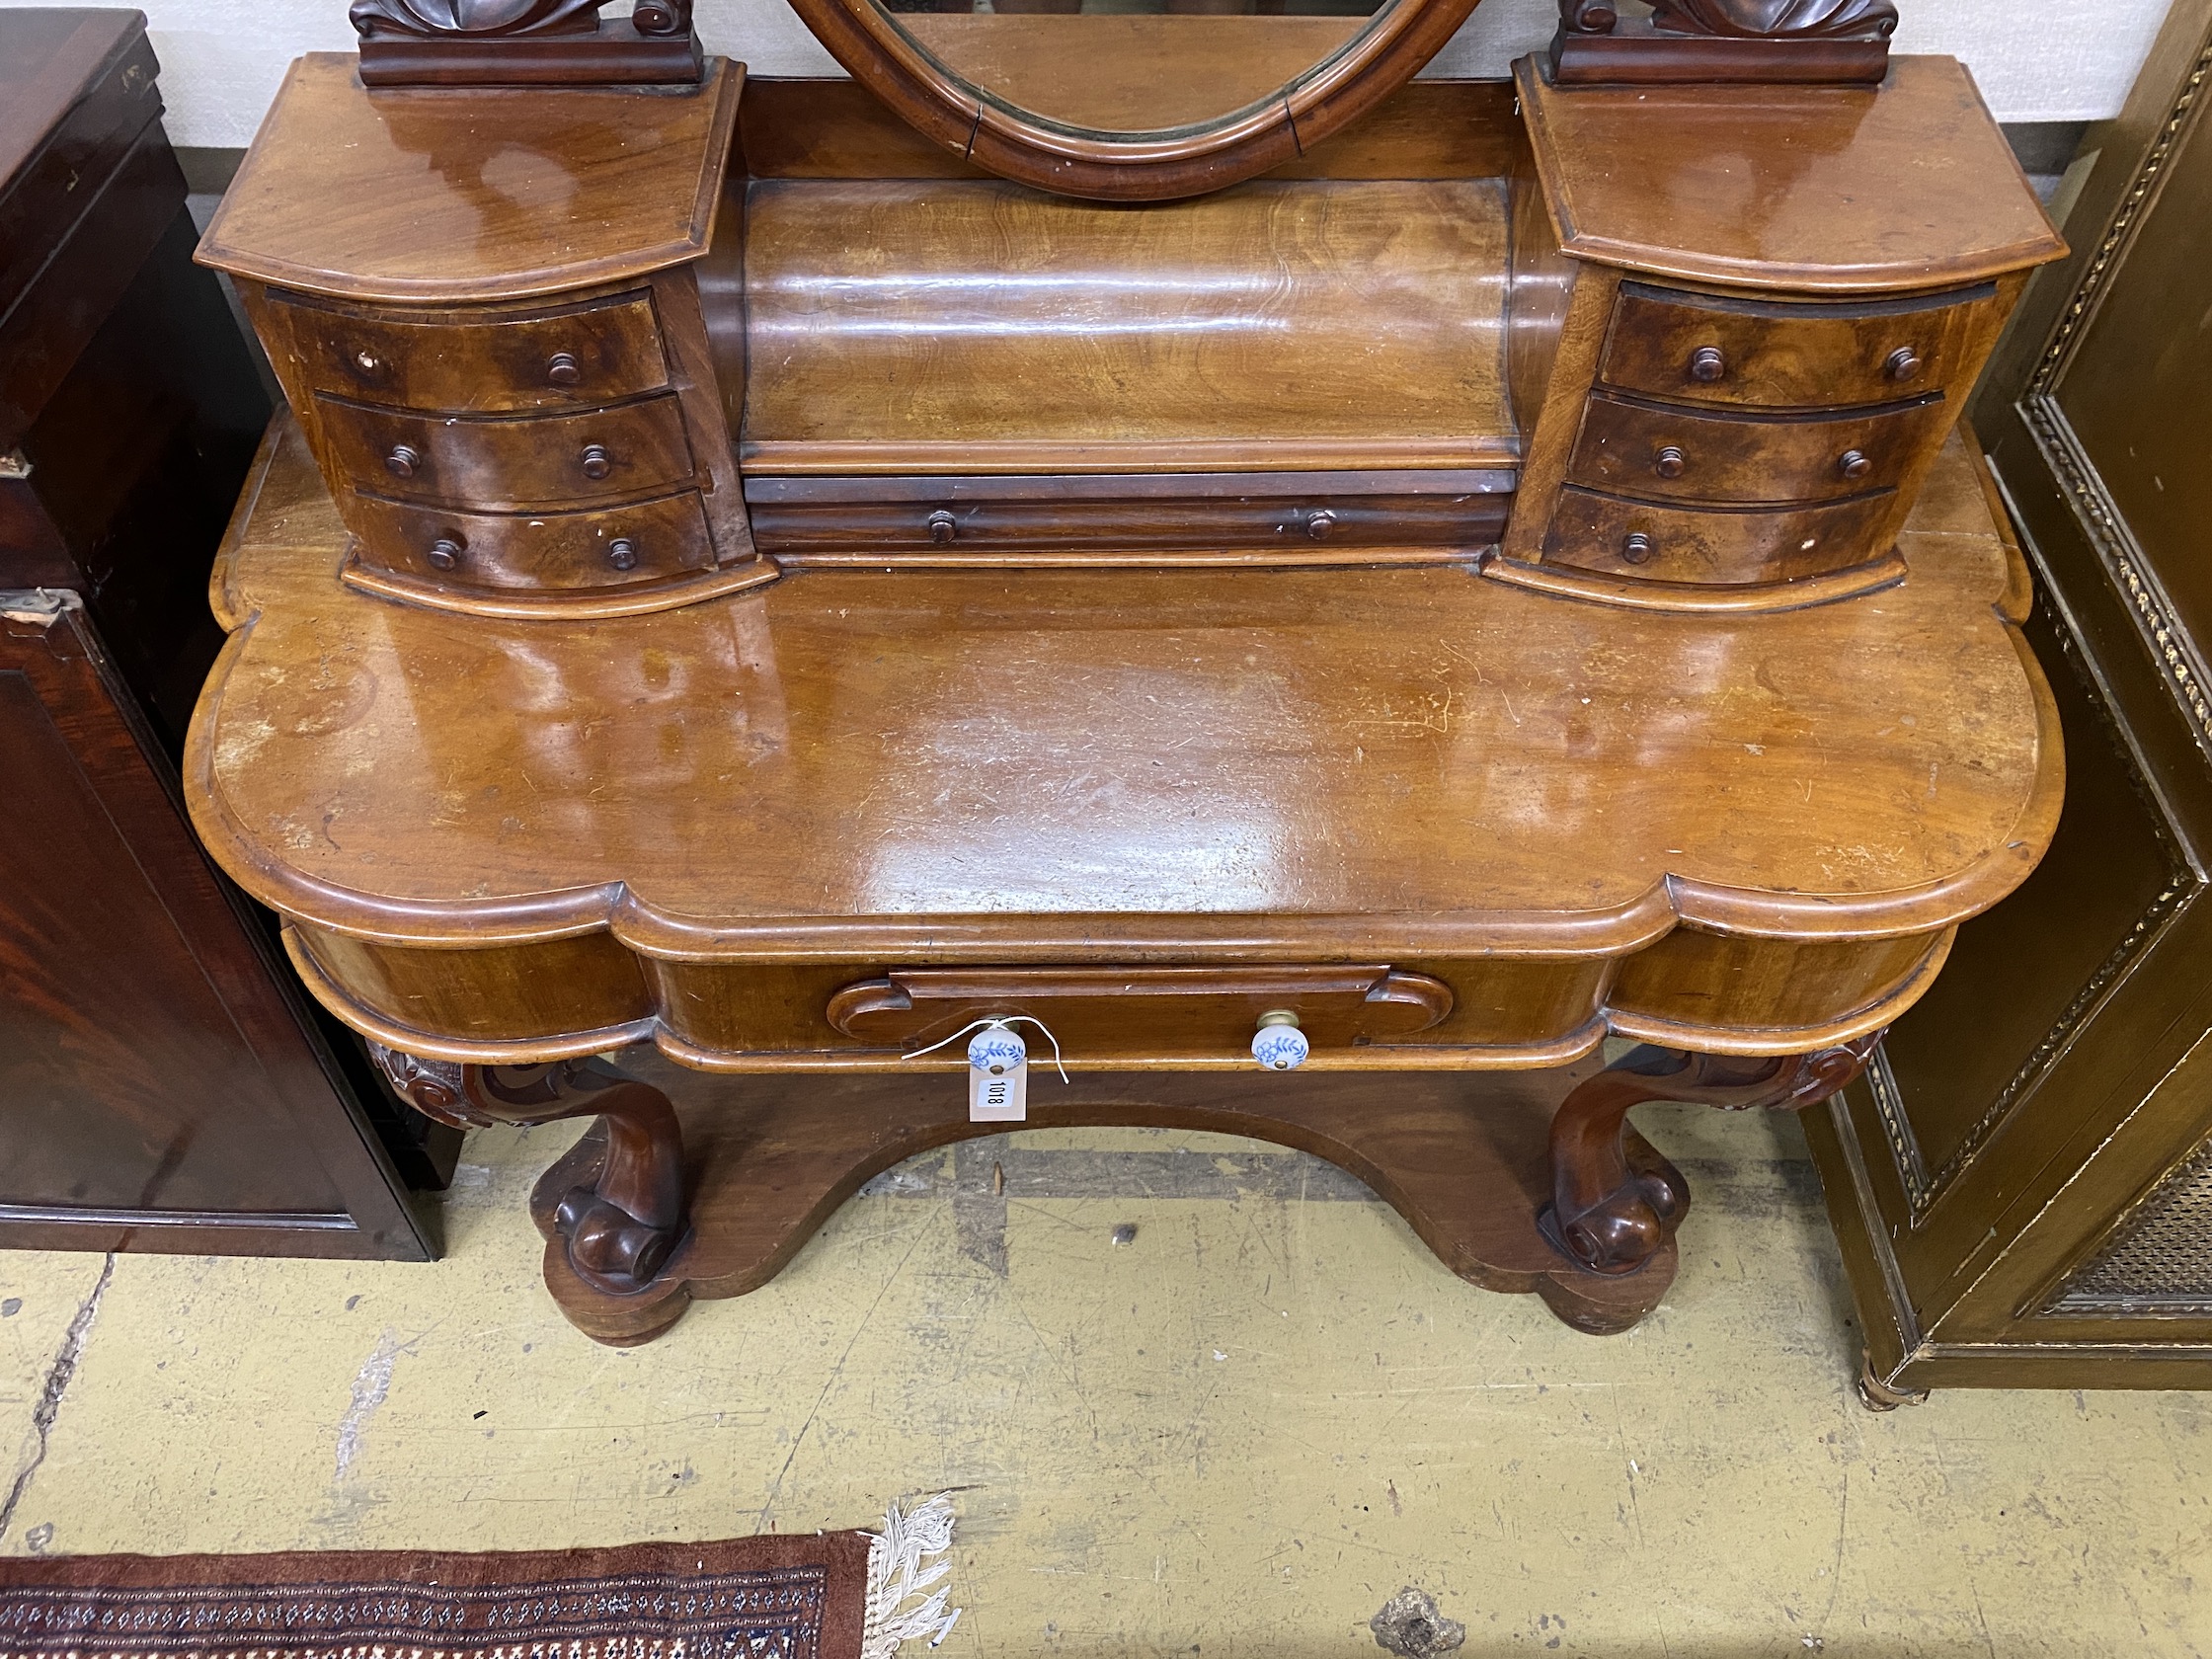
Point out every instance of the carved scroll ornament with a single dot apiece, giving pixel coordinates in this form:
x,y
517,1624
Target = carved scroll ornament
x,y
447,20
1802,20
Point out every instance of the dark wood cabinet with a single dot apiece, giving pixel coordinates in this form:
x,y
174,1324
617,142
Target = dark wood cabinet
x,y
2024,1181
165,1084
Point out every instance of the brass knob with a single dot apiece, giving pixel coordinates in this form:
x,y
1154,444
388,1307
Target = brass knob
x,y
1319,526
598,463
622,553
1638,548
403,461
1854,464
1670,461
446,552
1903,363
943,527
1708,363
562,369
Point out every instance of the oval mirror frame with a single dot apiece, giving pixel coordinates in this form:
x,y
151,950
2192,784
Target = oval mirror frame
x,y
1148,167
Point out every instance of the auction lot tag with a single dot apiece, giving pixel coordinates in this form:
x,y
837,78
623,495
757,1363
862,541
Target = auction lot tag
x,y
997,1077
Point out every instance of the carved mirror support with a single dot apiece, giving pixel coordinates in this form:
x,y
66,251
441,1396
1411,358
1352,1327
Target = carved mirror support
x,y
524,43
1806,41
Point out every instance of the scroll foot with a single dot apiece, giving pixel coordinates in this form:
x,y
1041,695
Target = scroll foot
x,y
1609,1216
618,1232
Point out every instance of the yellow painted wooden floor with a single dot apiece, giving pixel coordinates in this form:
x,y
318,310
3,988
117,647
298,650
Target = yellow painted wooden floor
x,y
1237,1434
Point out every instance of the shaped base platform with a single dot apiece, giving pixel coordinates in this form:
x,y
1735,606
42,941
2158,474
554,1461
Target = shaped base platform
x,y
1462,1157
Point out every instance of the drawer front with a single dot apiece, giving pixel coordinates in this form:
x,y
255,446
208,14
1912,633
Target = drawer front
x,y
828,517
519,461
1116,1010
572,358
1595,532
617,545
1789,356
1670,453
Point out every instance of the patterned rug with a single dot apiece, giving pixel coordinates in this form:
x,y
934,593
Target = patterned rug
x,y
826,1596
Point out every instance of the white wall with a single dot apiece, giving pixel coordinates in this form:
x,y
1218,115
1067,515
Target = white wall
x,y
2037,59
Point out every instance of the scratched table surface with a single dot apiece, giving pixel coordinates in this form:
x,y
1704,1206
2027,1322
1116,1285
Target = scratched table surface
x,y
1418,747
1239,1433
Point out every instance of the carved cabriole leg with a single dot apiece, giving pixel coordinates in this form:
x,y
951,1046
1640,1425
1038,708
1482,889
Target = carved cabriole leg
x,y
1610,1217
617,1234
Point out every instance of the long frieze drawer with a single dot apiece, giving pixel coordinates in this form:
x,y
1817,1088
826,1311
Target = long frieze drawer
x,y
1690,454
1097,1010
510,461
496,364
1792,354
1302,518
640,542
1722,545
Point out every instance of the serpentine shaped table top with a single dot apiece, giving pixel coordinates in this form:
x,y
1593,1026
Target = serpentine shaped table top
x,y
953,765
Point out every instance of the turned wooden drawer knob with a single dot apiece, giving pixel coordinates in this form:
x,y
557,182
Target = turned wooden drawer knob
x,y
1670,461
1854,464
562,369
598,463
446,552
622,553
1708,363
943,527
1319,526
1638,548
403,461
1903,363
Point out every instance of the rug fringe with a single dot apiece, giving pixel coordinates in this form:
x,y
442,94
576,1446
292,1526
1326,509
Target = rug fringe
x,y
898,1574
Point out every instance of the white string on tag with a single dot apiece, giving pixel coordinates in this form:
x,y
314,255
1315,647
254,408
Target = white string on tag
x,y
1003,1024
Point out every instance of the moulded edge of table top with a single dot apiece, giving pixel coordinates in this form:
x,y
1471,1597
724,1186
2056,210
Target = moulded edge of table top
x,y
1827,274
228,247
1120,936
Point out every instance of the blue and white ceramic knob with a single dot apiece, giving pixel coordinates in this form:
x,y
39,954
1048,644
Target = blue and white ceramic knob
x,y
1279,1046
996,1048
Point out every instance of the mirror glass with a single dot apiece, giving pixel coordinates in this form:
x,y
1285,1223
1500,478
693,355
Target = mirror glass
x,y
1131,68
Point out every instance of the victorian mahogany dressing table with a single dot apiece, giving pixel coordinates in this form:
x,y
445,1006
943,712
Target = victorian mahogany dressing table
x,y
1145,522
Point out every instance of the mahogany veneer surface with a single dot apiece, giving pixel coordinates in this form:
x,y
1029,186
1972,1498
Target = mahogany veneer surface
x,y
1104,768
1845,189
1129,73
468,192
1276,326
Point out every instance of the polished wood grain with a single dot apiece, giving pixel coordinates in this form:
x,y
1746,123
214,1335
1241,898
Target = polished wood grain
x,y
536,192
836,129
1686,356
1733,545
468,360
1201,1009
1463,1160
1613,1211
1134,73
159,1090
506,448
1131,520
1670,452
1795,355
877,50
614,53
1326,325
439,548
1909,186
1567,781
509,465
